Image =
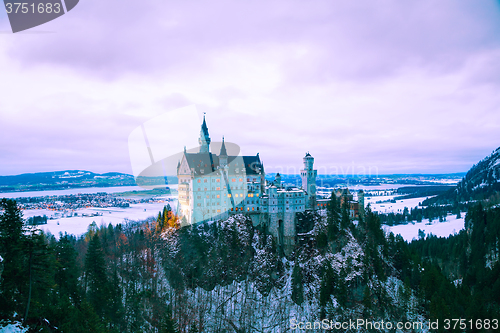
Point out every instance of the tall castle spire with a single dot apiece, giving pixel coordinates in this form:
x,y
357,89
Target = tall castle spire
x,y
223,151
204,139
223,154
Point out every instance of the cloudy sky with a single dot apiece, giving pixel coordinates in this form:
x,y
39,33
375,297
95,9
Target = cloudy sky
x,y
365,86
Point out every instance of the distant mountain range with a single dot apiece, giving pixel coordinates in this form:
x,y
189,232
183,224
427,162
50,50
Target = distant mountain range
x,y
58,180
482,182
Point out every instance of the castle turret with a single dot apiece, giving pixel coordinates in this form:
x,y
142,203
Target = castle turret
x,y
204,139
277,180
308,175
223,154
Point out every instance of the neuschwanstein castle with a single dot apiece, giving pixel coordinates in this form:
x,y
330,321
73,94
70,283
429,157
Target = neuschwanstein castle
x,y
213,187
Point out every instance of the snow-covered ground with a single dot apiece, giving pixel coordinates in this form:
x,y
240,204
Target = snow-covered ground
x,y
15,327
389,207
451,226
78,225
409,231
382,187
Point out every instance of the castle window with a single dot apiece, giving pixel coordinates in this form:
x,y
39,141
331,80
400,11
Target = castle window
x,y
205,188
218,188
199,180
205,180
253,208
199,205
218,210
248,209
229,195
257,208
199,197
218,203
257,194
233,180
241,179
218,180
218,196
231,209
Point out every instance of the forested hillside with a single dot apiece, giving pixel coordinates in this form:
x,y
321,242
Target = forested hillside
x,y
482,182
228,276
58,180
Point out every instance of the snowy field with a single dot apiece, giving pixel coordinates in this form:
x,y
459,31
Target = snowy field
x,y
451,226
382,187
78,225
389,207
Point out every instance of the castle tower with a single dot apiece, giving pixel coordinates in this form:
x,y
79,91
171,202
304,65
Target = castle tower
x,y
204,139
308,176
278,180
223,154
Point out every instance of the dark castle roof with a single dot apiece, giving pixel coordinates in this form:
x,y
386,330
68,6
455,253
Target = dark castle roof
x,y
205,163
204,127
223,151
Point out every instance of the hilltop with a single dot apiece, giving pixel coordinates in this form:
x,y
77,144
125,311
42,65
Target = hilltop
x,y
58,180
482,182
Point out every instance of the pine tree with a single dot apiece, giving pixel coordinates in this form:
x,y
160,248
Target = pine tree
x,y
327,285
168,325
297,286
13,283
67,273
332,211
96,280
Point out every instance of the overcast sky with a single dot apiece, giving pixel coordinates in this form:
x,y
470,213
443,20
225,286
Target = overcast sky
x,y
365,86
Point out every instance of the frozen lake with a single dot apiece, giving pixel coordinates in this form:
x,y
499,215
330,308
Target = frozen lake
x,y
90,190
